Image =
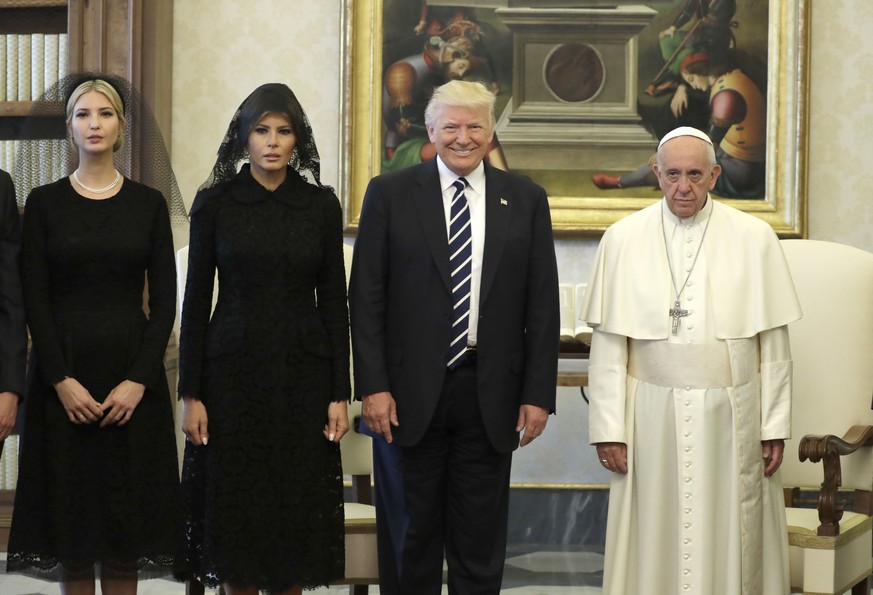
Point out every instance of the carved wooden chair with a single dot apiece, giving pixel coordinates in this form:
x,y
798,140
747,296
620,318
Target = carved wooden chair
x,y
362,568
832,348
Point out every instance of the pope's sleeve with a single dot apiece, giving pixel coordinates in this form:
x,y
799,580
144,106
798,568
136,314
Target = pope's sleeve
x,y
776,380
607,384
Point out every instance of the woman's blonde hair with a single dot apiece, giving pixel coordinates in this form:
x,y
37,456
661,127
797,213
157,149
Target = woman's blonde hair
x,y
108,91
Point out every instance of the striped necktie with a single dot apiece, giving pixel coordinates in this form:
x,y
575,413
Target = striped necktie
x,y
461,265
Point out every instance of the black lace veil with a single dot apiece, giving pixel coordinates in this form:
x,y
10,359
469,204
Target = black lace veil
x,y
44,154
276,98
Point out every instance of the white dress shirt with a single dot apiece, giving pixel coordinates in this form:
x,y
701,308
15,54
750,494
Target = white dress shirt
x,y
475,194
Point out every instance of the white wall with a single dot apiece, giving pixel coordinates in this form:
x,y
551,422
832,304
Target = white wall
x,y
222,49
841,123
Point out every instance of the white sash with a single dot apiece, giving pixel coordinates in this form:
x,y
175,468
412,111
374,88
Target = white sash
x,y
677,365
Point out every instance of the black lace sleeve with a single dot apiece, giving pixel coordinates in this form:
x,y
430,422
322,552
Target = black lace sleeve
x,y
197,304
332,299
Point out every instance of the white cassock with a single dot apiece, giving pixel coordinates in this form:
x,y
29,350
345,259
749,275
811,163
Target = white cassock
x,y
695,513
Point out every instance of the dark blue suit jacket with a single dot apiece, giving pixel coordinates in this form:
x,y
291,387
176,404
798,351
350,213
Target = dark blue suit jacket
x,y
400,300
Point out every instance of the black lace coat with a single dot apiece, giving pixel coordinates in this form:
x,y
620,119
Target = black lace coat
x,y
264,497
87,493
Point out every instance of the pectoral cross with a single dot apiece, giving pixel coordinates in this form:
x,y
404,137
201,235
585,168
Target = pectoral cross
x,y
676,312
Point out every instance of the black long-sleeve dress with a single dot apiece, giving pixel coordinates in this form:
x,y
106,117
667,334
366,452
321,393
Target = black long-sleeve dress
x,y
87,493
264,497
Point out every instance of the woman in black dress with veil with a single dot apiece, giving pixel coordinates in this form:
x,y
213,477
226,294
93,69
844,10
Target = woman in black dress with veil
x,y
98,489
265,379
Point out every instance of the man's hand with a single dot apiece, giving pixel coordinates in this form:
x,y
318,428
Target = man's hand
x,y
532,419
8,411
668,32
380,413
772,451
613,456
679,101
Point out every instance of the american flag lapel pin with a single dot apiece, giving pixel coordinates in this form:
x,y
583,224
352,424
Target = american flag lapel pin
x,y
503,202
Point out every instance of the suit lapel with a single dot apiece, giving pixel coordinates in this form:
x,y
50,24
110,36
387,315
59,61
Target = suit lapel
x,y
498,209
429,202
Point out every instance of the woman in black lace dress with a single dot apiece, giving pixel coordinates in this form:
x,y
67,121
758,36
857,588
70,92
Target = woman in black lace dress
x,y
98,487
265,379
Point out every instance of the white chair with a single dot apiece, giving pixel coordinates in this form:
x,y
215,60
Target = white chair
x,y
832,348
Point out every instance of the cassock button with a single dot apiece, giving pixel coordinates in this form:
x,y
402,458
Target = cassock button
x,y
687,480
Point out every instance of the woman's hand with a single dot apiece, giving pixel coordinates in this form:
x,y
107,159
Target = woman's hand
x,y
337,421
121,402
195,423
80,406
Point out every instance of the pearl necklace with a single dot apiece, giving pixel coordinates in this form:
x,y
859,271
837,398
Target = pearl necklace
x,y
98,190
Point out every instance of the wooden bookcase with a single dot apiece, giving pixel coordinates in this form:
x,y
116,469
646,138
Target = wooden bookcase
x,y
129,38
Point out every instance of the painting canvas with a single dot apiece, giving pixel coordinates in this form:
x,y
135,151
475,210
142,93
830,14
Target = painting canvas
x,y
584,92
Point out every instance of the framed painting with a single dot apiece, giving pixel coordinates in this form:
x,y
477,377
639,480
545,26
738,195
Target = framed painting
x,y
584,94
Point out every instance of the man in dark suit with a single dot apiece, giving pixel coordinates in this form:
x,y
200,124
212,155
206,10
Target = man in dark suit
x,y
454,311
13,332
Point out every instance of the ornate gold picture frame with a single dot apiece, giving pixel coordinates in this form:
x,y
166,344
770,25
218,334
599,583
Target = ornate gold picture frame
x,y
580,209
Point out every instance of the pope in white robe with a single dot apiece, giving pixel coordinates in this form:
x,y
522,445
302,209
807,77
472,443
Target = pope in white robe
x,y
690,382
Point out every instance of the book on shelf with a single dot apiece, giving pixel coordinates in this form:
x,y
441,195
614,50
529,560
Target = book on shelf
x,y
9,463
37,65
24,67
51,62
575,334
50,156
11,67
30,64
2,67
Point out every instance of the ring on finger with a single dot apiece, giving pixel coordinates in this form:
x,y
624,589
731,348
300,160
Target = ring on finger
x,y
604,461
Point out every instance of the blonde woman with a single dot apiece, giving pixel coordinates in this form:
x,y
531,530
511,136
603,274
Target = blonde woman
x,y
98,487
